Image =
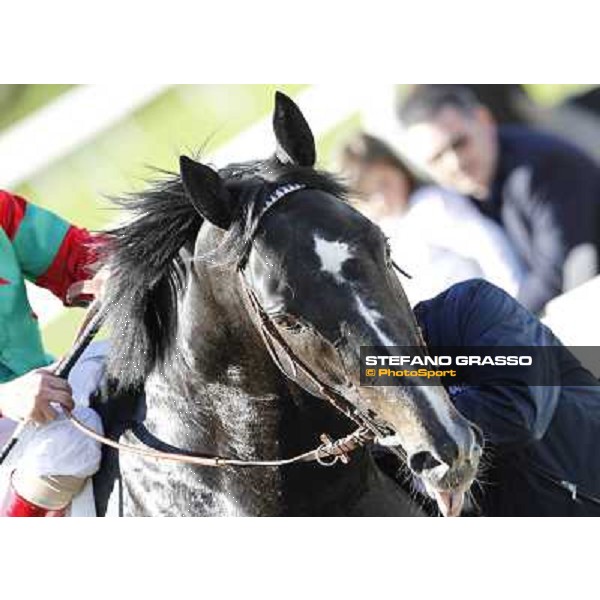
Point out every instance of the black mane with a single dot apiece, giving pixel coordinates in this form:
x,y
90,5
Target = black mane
x,y
147,263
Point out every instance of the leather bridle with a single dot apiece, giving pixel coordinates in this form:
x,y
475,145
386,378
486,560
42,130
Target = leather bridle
x,y
326,454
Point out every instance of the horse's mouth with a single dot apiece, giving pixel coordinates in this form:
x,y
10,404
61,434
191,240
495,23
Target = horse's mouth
x,y
448,489
445,484
449,496
450,503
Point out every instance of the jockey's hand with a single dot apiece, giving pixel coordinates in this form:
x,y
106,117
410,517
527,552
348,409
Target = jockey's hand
x,y
28,397
90,288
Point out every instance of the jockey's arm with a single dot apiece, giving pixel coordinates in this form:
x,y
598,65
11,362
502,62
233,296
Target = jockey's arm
x,y
52,253
55,255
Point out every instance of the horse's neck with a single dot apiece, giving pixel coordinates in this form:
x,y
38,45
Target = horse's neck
x,y
223,380
228,398
223,395
223,420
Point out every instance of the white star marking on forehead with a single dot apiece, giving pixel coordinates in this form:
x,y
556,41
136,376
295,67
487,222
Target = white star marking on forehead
x,y
332,255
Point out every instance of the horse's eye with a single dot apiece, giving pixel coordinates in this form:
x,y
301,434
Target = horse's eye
x,y
289,323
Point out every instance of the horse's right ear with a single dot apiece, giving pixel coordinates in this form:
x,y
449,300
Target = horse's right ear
x,y
206,191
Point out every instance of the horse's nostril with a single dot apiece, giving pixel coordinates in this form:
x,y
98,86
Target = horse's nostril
x,y
478,436
479,439
422,461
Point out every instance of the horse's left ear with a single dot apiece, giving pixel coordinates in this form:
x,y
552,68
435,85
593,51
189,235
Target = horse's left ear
x,y
206,191
295,141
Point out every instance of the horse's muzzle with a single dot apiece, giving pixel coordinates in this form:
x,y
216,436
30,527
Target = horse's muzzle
x,y
449,471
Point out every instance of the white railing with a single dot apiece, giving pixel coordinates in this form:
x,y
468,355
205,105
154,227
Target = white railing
x,y
64,124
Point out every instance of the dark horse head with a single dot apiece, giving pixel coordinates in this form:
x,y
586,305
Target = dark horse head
x,y
222,283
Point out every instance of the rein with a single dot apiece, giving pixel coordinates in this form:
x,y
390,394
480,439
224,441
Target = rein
x,y
326,454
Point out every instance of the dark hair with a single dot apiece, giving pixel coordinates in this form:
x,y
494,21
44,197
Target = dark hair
x,y
367,151
148,267
424,102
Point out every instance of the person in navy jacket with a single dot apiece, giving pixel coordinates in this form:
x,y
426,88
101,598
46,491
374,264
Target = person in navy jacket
x,y
542,441
543,191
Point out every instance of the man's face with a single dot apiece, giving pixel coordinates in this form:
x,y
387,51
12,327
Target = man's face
x,y
457,149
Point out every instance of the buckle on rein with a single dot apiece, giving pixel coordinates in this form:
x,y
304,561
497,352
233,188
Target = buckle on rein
x,y
570,487
336,450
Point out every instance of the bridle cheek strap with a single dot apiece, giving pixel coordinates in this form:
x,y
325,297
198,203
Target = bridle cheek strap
x,y
329,452
273,340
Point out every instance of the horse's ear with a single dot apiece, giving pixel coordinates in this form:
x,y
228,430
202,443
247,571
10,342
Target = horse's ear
x,y
206,191
295,141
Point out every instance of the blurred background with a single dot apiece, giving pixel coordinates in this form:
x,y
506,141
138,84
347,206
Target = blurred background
x,y
68,148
